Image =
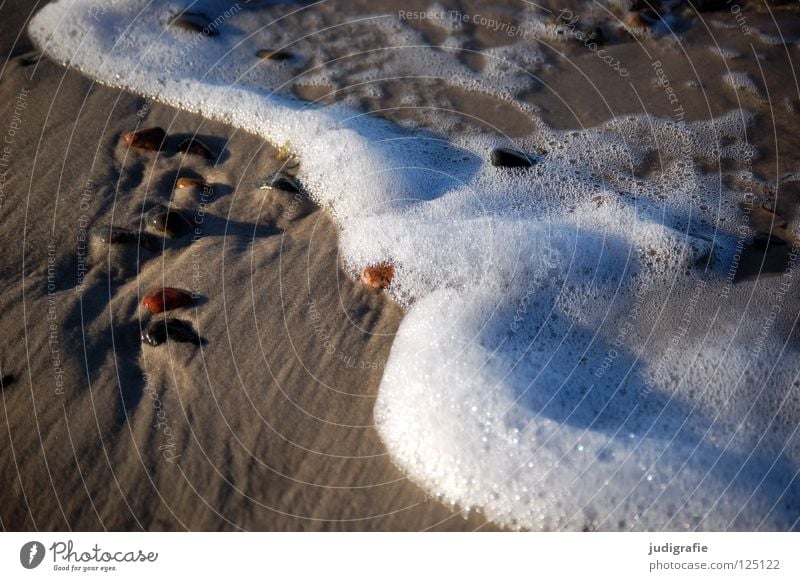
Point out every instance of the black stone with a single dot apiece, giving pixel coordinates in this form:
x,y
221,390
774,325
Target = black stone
x,y
169,221
178,330
7,380
195,22
196,147
506,157
274,55
279,181
118,235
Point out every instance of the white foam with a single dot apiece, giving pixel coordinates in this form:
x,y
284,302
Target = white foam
x,y
519,381
725,53
741,81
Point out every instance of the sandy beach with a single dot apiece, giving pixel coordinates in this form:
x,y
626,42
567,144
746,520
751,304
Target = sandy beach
x,y
269,424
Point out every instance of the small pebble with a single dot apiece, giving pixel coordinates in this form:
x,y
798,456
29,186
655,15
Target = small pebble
x,y
7,380
195,22
151,139
196,147
167,298
117,235
378,276
506,157
187,182
169,221
274,55
279,181
30,59
178,330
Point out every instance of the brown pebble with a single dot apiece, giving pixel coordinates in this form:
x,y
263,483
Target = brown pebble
x,y
186,182
150,139
378,276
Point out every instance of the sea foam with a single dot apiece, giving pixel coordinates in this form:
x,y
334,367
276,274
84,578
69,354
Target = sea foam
x,y
574,354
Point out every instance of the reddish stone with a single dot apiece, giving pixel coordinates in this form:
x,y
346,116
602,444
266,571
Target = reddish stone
x,y
167,298
378,276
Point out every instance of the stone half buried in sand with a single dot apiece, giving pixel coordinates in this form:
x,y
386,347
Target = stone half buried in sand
x,y
274,55
119,235
169,221
150,139
195,22
160,331
279,181
194,146
185,182
507,157
378,276
167,298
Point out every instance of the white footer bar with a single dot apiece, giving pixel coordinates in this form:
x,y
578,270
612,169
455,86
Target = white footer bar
x,y
401,556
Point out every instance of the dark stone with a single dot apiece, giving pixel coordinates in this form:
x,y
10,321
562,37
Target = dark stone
x,y
279,181
117,235
169,221
763,241
274,55
196,147
29,59
178,330
506,157
195,22
150,139
7,380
